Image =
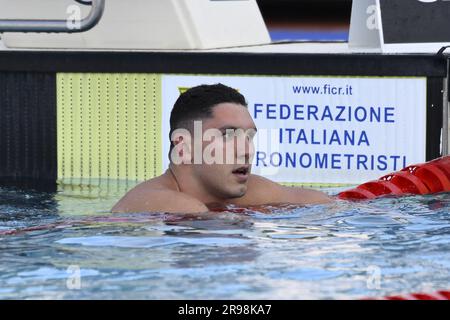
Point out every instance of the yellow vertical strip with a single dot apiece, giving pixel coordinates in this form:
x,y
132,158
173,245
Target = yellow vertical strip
x,y
132,154
77,128
103,138
122,114
70,131
142,123
95,125
114,127
157,124
109,126
87,151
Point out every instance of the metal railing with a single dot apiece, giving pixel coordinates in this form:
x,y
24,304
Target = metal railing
x,y
96,13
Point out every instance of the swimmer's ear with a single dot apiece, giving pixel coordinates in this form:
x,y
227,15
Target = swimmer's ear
x,y
181,152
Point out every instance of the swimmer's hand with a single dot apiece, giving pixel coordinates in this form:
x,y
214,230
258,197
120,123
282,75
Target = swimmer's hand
x,y
158,200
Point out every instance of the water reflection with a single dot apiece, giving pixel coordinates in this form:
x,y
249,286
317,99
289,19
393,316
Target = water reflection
x,y
287,252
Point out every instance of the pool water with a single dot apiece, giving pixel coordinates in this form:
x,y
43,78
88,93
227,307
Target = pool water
x,y
66,245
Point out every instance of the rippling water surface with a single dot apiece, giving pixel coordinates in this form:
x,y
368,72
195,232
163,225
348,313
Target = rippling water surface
x,y
65,245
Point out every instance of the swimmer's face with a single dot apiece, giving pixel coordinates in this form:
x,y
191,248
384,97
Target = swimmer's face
x,y
229,134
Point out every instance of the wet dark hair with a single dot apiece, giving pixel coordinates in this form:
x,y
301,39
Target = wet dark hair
x,y
197,103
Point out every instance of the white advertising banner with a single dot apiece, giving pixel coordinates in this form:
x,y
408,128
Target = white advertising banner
x,y
324,130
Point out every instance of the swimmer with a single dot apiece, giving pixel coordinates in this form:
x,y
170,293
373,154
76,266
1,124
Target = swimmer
x,y
211,154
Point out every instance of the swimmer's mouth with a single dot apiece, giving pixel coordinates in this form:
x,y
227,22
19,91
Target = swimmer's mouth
x,y
244,171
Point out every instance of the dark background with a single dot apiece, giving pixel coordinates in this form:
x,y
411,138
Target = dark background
x,y
307,19
406,21
326,15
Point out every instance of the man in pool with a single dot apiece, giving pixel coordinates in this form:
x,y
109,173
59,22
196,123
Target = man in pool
x,y
211,152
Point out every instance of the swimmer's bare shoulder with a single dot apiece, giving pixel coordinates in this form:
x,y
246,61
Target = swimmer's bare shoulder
x,y
157,195
262,191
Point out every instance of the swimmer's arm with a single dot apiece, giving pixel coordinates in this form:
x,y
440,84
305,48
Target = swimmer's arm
x,y
265,191
158,200
297,195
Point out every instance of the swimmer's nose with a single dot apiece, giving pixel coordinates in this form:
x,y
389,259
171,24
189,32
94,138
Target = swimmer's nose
x,y
246,152
251,151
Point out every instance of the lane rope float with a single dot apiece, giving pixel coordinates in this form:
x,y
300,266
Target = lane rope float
x,y
425,178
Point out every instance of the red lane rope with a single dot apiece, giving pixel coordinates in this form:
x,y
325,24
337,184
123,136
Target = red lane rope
x,y
424,178
438,295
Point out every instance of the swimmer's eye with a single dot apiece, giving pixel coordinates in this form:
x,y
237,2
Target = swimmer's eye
x,y
228,134
231,134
